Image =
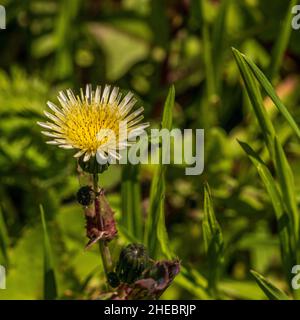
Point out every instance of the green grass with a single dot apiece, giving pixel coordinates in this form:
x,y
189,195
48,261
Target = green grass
x,y
230,67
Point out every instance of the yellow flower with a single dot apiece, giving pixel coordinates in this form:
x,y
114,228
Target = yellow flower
x,y
97,123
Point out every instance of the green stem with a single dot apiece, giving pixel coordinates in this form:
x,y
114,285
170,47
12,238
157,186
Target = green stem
x,y
103,246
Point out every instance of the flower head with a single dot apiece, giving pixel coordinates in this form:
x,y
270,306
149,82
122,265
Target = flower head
x,y
95,123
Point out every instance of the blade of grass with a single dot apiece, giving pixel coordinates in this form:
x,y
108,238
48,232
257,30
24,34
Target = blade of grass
x,y
162,234
218,41
283,221
282,41
268,288
155,232
167,118
256,100
267,86
127,235
266,178
50,286
208,56
208,115
131,200
213,241
159,23
287,184
191,280
158,238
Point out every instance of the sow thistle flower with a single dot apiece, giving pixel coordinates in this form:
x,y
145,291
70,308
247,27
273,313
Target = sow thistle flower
x,y
97,124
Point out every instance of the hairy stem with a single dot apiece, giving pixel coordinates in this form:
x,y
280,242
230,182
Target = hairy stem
x,y
103,246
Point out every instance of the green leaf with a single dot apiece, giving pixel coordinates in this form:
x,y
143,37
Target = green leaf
x,y
241,290
268,288
26,254
127,235
156,230
191,280
155,233
50,287
167,118
283,220
162,234
3,241
131,201
282,41
267,86
159,23
287,185
256,100
219,38
213,239
266,178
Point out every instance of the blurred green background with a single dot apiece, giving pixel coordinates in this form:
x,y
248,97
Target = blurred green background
x,y
143,46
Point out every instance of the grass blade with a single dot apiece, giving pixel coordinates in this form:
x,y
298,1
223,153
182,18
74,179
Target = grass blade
x,y
283,220
266,178
191,280
267,86
268,288
162,234
213,240
219,37
158,238
127,235
282,41
131,199
50,287
155,233
256,100
167,118
287,185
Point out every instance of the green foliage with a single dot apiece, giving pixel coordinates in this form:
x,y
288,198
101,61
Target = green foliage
x,y
284,200
283,221
147,46
50,287
286,181
262,79
256,99
282,41
131,202
268,288
155,233
213,241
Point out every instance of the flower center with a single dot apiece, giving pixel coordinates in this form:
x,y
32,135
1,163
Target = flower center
x,y
83,123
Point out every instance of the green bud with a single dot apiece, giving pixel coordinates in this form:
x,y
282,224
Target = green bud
x,y
85,195
134,259
92,166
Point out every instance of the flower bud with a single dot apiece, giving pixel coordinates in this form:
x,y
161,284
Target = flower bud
x,y
133,261
85,196
92,166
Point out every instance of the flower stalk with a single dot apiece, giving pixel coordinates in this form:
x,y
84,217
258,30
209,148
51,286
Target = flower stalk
x,y
103,246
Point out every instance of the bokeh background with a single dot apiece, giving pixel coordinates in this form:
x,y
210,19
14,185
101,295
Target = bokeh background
x,y
144,46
